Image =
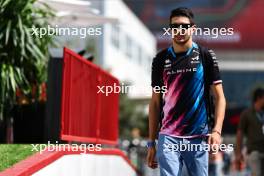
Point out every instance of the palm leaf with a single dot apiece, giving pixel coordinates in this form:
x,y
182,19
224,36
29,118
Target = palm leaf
x,y
8,28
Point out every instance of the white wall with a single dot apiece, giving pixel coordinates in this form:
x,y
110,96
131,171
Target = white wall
x,y
135,69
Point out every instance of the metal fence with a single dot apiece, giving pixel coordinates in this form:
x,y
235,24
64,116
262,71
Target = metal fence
x,y
88,115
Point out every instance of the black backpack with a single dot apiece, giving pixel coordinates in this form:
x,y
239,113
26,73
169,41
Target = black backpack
x,y
204,53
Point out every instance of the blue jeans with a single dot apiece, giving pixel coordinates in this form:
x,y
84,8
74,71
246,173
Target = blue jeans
x,y
171,158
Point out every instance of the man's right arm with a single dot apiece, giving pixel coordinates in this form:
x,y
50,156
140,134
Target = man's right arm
x,y
154,109
154,113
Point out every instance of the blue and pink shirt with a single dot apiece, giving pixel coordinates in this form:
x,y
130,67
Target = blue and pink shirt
x,y
184,107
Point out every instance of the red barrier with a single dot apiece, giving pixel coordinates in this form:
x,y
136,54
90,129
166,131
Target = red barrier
x,y
87,116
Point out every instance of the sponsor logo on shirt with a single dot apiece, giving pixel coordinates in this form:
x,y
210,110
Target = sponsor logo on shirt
x,y
167,65
195,51
212,53
195,60
186,70
167,61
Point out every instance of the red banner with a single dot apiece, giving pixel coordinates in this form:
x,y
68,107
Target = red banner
x,y
88,114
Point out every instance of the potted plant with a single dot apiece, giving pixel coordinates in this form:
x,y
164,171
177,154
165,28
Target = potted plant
x,y
23,56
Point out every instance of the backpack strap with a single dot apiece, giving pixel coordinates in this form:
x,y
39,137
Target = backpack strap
x,y
208,97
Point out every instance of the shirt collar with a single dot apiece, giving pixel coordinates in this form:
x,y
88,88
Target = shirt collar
x,y
171,50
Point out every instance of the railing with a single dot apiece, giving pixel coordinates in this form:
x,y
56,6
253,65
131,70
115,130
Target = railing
x,y
88,115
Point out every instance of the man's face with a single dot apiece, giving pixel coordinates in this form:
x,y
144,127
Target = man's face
x,y
181,29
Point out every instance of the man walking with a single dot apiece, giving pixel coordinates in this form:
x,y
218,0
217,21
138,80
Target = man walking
x,y
251,127
188,72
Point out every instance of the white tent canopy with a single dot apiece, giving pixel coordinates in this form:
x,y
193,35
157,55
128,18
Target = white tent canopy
x,y
76,13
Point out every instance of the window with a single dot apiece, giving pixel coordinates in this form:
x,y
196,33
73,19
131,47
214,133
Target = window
x,y
139,55
128,47
115,36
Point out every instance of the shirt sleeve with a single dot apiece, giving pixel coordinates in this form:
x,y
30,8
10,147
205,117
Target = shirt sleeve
x,y
213,69
156,72
242,125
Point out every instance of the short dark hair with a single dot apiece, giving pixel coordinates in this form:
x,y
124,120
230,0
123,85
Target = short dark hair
x,y
182,11
258,93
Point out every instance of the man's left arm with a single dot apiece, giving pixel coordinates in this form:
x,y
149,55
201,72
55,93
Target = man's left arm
x,y
220,105
216,87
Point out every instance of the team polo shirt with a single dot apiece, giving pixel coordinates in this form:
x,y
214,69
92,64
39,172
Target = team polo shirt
x,y
184,103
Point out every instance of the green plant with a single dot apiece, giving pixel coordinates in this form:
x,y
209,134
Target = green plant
x,y
131,117
23,57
